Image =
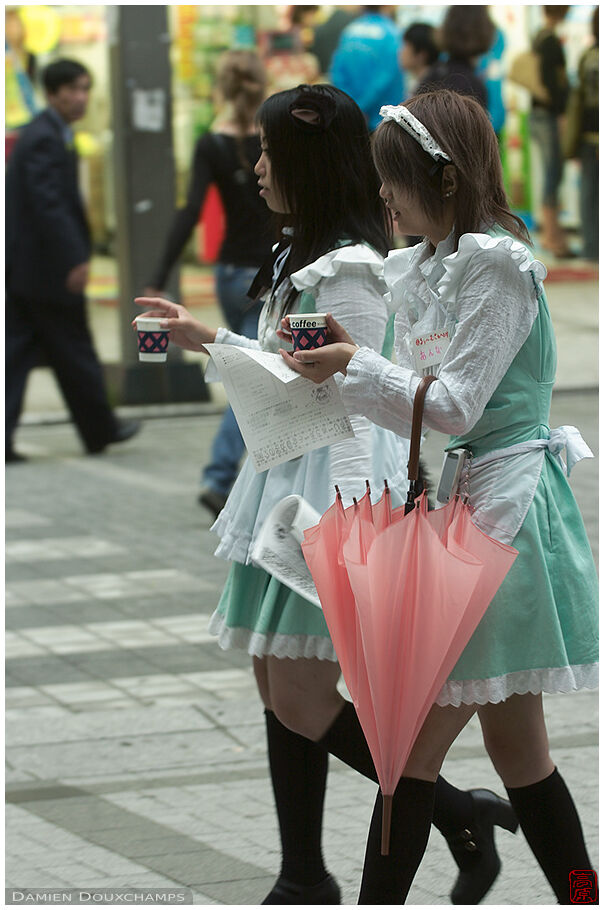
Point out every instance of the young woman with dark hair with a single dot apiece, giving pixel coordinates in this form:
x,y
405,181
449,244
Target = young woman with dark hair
x,y
317,175
466,34
475,273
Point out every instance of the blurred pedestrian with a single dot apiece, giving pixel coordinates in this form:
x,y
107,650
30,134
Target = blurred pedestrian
x,y
581,140
545,126
490,68
226,157
466,33
327,34
316,150
48,252
418,52
365,63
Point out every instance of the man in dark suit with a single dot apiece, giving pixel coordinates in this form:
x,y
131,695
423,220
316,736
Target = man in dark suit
x,y
47,263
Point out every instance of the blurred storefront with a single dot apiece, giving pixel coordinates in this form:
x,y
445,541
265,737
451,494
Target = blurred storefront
x,y
283,35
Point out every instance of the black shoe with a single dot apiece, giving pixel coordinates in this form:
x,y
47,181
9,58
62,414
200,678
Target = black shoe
x,y
12,457
474,848
284,892
125,429
212,500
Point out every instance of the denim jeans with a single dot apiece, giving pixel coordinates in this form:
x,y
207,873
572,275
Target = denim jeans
x,y
545,134
232,284
590,186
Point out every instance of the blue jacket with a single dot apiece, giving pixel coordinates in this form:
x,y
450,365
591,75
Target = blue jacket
x,y
365,65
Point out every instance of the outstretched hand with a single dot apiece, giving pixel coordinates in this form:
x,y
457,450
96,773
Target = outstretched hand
x,y
185,331
321,363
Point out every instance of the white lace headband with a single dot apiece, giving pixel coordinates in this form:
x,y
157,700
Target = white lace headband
x,y
403,116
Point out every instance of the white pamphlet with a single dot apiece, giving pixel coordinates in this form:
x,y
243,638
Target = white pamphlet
x,y
281,414
277,548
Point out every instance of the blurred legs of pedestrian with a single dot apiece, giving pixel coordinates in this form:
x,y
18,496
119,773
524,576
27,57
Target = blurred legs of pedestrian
x,y
590,197
218,476
545,133
61,335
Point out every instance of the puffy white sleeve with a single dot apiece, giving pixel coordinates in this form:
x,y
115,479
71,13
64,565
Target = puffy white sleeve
x,y
225,336
355,298
496,307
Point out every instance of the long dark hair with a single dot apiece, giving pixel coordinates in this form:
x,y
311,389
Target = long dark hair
x,y
463,130
325,173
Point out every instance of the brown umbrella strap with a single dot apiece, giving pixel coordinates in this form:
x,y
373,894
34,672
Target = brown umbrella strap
x,y
416,426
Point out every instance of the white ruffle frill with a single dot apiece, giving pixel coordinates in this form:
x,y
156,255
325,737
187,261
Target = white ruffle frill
x,y
552,680
258,645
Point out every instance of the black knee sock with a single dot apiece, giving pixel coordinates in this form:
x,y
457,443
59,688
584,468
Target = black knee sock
x,y
387,879
345,739
550,823
453,808
298,772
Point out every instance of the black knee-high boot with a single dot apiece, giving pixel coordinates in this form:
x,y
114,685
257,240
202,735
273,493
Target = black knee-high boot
x,y
550,823
465,819
387,879
298,772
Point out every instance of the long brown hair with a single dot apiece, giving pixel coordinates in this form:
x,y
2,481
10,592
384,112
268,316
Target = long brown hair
x,y
463,130
241,79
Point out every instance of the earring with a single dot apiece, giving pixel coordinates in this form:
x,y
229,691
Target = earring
x,y
447,195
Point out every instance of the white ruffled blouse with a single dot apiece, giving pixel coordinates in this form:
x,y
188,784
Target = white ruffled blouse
x,y
487,290
347,282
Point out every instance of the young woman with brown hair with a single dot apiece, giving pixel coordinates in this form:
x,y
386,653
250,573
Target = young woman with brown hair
x,y
474,272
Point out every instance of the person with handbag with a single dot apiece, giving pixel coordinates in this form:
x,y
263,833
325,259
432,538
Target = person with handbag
x,y
226,156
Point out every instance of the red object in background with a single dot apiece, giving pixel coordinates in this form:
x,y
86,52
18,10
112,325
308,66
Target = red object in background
x,y
212,224
10,139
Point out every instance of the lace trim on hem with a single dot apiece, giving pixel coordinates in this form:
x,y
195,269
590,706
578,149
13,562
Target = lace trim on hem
x,y
552,680
258,645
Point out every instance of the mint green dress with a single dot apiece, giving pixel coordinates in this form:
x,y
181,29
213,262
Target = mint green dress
x,y
493,393
539,632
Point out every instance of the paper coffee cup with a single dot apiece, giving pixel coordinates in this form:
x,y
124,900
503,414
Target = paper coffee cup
x,y
152,340
309,330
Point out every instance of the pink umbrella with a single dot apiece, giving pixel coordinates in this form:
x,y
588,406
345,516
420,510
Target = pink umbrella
x,y
412,585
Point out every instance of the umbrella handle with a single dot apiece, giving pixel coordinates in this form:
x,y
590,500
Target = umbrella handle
x,y
416,427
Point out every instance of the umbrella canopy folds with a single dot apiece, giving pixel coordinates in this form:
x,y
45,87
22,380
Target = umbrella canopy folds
x,y
402,592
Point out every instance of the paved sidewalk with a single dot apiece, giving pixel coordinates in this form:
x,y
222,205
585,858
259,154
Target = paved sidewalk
x,y
135,747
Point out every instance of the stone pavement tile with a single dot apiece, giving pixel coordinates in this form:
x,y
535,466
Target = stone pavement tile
x,y
21,518
21,616
44,592
131,722
137,753
16,645
47,670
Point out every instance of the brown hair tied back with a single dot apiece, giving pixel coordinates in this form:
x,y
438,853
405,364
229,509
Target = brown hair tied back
x,y
241,79
463,130
312,111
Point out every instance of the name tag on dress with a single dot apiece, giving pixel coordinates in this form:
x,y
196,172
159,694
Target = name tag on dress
x,y
429,350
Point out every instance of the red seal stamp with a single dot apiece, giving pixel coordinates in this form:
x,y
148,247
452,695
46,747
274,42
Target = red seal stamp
x,y
583,886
